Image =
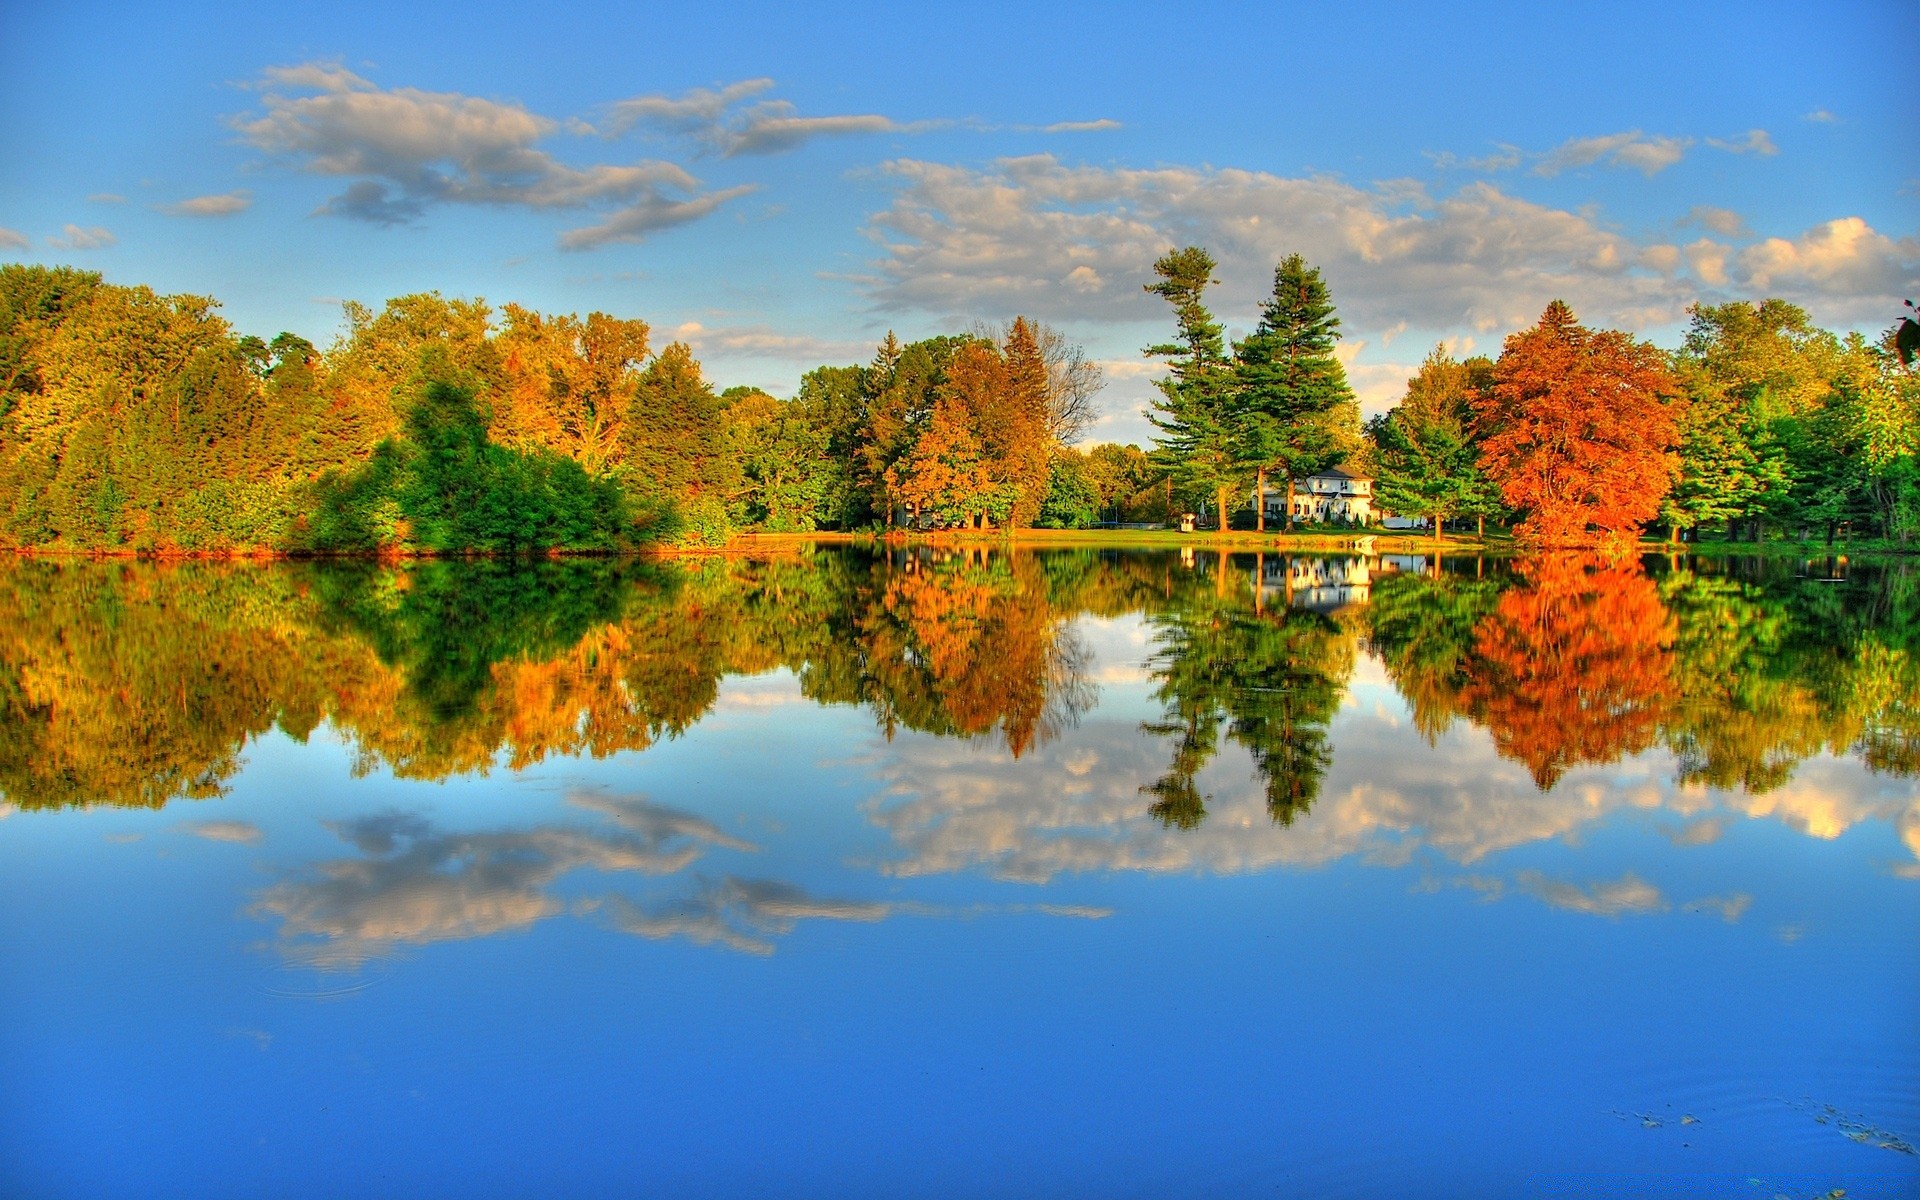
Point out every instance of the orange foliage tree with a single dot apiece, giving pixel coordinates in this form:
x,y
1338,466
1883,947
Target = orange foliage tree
x,y
1574,666
1580,426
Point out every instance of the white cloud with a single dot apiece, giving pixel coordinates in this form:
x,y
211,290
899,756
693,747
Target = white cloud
x,y
1503,158
761,341
720,120
1628,894
1723,221
13,239
1708,259
1754,141
1648,154
692,112
741,914
1070,244
411,884
225,204
634,222
408,149
74,237
1844,257
1820,116
1730,908
240,832
1099,126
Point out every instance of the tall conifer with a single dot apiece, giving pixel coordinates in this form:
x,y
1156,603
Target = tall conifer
x,y
1290,382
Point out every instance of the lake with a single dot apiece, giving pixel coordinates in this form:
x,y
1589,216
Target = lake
x,y
961,873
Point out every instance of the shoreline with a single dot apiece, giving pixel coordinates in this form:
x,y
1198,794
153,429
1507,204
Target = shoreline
x,y
747,544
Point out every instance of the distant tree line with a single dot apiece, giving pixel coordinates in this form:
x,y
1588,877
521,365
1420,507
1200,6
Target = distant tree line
x,y
132,421
1759,422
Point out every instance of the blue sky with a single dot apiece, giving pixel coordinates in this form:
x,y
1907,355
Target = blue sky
x,y
779,187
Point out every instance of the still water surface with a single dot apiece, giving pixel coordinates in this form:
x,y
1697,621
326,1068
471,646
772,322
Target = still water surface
x,y
975,874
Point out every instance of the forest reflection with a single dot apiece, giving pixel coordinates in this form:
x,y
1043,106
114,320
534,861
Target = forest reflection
x,y
139,683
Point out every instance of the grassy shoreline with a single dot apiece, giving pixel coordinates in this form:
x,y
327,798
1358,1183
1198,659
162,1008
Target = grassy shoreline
x,y
1494,545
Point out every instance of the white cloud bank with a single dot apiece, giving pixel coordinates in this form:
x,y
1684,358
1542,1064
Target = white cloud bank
x,y
1075,243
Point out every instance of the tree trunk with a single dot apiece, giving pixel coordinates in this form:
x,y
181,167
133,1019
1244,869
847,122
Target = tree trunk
x,y
1481,531
1260,501
1289,501
1220,495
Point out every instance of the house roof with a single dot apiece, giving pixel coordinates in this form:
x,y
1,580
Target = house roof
x,y
1336,473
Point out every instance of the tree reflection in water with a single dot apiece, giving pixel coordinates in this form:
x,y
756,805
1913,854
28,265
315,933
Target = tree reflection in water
x,y
139,683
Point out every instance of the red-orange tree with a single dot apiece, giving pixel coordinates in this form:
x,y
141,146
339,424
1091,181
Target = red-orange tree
x,y
1579,429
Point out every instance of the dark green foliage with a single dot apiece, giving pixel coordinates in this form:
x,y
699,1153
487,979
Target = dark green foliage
x,y
1289,381
1202,434
1072,501
445,489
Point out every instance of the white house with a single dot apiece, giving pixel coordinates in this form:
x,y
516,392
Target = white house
x,y
1332,495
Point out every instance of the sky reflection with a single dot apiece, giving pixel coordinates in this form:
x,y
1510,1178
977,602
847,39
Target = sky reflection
x,y
1010,860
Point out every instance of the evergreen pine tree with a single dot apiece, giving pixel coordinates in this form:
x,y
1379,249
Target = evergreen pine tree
x,y
1200,441
1290,383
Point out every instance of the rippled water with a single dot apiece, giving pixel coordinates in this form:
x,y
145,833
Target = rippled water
x,y
961,874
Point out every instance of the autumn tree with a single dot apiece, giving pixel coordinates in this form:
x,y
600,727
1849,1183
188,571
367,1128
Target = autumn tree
x,y
1201,440
567,383
1578,429
1290,384
1574,666
1016,430
1129,485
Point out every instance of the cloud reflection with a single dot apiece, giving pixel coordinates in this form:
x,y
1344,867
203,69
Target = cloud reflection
x,y
413,884
741,914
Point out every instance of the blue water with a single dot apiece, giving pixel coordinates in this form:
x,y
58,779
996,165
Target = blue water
x,y
784,953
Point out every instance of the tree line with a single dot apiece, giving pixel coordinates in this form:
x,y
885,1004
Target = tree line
x,y
1760,421
132,421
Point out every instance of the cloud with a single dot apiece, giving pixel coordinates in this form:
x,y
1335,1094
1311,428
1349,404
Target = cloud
x,y
239,832
13,239
1504,158
716,120
635,222
74,237
1755,141
760,341
225,204
1100,126
1628,894
1068,244
1820,116
1633,149
1723,221
741,914
413,884
771,128
1703,832
1844,257
692,112
407,150
1730,907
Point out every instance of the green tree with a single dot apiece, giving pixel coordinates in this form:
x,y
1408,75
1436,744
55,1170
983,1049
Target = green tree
x,y
1290,384
1201,442
1426,453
